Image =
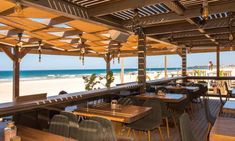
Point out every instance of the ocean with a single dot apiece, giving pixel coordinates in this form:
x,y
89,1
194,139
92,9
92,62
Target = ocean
x,y
47,74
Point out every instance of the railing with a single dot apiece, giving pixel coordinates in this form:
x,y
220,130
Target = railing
x,y
12,107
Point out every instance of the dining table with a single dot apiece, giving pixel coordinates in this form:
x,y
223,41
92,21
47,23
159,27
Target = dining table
x,y
223,129
122,113
168,97
229,106
187,88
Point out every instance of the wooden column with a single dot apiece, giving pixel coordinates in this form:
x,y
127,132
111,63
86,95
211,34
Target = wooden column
x,y
122,71
141,59
165,65
15,56
217,61
184,61
16,73
108,59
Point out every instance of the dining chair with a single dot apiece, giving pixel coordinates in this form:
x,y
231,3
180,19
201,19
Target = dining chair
x,y
59,125
109,130
222,101
229,92
162,88
107,126
185,128
183,106
90,130
166,114
209,116
125,101
151,121
73,123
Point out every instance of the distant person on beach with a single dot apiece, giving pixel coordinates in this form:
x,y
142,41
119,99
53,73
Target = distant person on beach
x,y
210,65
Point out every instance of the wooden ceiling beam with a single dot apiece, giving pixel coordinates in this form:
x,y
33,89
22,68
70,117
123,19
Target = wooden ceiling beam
x,y
195,33
175,6
7,51
12,32
218,7
185,26
121,5
70,10
66,9
188,39
169,28
57,20
24,52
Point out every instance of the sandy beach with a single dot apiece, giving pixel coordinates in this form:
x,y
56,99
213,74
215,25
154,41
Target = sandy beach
x,y
54,85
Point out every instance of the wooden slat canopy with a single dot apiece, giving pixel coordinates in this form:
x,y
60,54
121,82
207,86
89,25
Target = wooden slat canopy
x,y
62,25
61,35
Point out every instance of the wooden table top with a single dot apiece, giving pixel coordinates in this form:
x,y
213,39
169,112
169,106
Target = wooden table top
x,y
168,98
189,88
229,106
124,114
223,130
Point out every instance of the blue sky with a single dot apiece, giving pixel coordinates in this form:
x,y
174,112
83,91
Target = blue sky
x,y
30,62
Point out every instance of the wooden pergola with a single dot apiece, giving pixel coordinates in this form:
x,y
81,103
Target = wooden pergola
x,y
109,29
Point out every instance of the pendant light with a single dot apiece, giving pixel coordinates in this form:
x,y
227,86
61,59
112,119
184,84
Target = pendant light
x,y
205,10
39,51
18,7
20,43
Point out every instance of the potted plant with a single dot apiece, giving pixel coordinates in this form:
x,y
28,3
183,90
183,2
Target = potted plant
x,y
91,81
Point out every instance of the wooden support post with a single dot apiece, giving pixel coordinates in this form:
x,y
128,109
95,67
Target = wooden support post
x,y
16,56
165,65
122,71
16,73
108,59
141,59
184,61
217,61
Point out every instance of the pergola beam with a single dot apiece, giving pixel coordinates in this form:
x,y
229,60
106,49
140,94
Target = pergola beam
x,y
69,10
174,6
8,52
188,13
185,27
117,6
60,6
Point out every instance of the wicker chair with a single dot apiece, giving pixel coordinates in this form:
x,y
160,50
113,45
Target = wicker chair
x,y
73,123
59,125
210,118
149,122
185,128
90,130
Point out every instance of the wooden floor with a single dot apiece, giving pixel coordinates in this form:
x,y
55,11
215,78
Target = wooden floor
x,y
199,125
